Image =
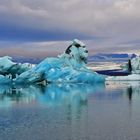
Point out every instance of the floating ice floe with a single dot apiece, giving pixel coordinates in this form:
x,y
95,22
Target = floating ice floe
x,y
69,67
10,69
132,67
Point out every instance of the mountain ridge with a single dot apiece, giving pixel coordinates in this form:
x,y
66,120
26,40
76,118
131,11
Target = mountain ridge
x,y
111,56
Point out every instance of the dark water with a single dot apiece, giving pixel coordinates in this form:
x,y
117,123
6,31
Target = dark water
x,y
71,112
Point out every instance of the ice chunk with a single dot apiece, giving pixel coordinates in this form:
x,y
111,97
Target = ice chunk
x,y
68,67
135,62
5,80
133,67
7,66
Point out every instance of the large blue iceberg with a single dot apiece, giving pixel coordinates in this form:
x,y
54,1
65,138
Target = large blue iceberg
x,y
69,67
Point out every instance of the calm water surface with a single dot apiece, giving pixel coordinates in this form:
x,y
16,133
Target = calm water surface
x,y
71,112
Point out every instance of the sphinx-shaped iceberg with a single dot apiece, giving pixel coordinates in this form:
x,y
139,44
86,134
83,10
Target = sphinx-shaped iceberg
x,y
69,67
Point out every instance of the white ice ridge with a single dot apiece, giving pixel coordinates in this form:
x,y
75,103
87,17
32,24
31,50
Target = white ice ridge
x,y
133,67
69,67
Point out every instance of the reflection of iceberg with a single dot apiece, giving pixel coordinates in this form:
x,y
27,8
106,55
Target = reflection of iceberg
x,y
132,67
68,67
133,90
10,95
51,94
130,88
59,94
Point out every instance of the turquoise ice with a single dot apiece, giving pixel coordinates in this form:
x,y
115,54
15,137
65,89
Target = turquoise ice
x,y
69,67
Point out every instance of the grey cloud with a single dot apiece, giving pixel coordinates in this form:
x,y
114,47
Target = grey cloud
x,y
54,48
92,17
113,21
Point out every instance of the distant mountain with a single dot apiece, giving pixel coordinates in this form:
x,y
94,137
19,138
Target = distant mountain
x,y
97,57
25,59
111,57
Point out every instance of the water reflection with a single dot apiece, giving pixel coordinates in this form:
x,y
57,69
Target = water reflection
x,y
132,90
71,112
130,93
129,89
52,94
68,94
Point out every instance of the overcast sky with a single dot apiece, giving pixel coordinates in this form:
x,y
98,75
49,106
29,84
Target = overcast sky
x,y
46,27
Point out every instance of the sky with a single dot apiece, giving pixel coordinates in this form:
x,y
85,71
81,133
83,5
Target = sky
x,y
46,28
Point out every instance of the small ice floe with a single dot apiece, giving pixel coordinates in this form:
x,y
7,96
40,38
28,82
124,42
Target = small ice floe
x,y
132,67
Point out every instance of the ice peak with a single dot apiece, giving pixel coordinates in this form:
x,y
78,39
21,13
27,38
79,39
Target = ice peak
x,y
78,43
76,54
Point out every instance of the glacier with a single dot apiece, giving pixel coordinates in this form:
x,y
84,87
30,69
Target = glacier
x,y
69,67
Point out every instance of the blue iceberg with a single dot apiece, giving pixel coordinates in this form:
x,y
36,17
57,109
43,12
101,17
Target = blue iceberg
x,y
69,67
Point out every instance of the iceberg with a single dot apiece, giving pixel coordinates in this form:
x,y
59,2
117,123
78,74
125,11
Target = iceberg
x,y
69,67
10,69
5,80
132,67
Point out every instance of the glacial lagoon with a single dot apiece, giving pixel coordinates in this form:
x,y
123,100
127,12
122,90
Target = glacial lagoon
x,y
109,111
